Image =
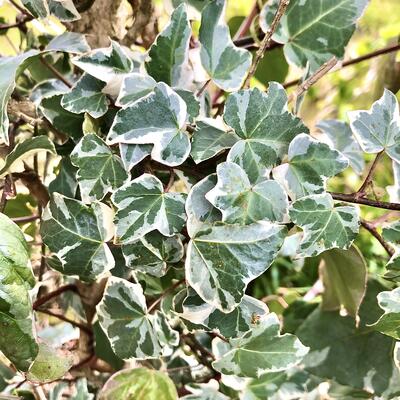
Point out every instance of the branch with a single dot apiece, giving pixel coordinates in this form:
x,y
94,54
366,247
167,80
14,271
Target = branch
x,y
65,319
353,61
47,297
28,218
55,72
353,198
164,293
368,178
314,78
21,21
372,230
283,4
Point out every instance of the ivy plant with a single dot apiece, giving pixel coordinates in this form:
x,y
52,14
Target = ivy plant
x,y
148,192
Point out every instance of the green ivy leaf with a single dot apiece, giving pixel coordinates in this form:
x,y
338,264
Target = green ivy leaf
x,y
64,10
244,203
379,128
152,253
86,96
222,260
196,313
123,316
340,137
130,384
325,226
266,128
134,87
25,149
157,119
310,164
16,279
99,170
210,139
65,182
226,64
77,234
313,34
144,207
168,55
70,42
49,365
261,350
38,8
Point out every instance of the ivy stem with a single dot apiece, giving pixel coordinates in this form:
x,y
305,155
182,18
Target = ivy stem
x,y
372,230
265,43
65,319
361,191
353,198
47,297
163,294
55,72
203,88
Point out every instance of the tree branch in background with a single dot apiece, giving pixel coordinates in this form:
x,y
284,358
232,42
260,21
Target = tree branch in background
x,y
372,230
283,4
353,198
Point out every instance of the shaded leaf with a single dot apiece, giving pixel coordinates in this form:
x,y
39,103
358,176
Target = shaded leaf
x,y
70,42
65,182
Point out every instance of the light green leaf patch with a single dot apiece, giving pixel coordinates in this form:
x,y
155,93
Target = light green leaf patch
x,y
86,96
16,279
144,207
49,365
153,253
314,32
100,170
134,87
264,126
77,234
244,203
70,42
310,164
223,259
339,135
262,350
324,225
226,64
168,55
210,139
157,119
130,384
198,314
379,128
123,316
25,149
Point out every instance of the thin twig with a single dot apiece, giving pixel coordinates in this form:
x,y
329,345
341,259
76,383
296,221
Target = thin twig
x,y
266,41
170,181
203,88
19,8
352,198
54,71
163,294
246,24
314,78
65,319
17,24
372,230
361,191
28,218
353,61
47,297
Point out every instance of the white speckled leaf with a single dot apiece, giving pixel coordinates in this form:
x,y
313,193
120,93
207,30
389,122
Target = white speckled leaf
x,y
144,207
226,64
310,164
244,203
262,350
324,225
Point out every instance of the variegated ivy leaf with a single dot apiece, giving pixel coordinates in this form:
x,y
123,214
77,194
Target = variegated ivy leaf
x,y
167,337
223,259
105,64
65,182
210,139
100,170
132,154
310,164
77,234
47,88
262,350
64,10
340,137
325,226
198,209
134,87
200,315
391,232
378,129
244,203
25,149
226,64
152,253
394,190
266,128
192,103
204,391
313,33
393,267
16,279
144,207
38,8
389,322
86,96
168,55
70,42
157,119
123,316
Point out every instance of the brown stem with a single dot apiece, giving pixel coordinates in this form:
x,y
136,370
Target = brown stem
x,y
246,24
65,319
370,174
203,88
372,230
353,61
283,4
47,297
17,24
202,354
7,191
352,198
314,78
28,218
164,293
19,8
55,72
170,181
